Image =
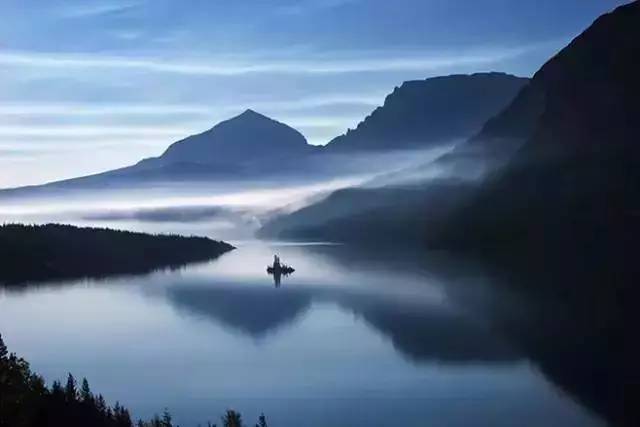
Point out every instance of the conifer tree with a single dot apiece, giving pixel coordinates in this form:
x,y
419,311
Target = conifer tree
x,y
232,419
3,349
70,390
85,392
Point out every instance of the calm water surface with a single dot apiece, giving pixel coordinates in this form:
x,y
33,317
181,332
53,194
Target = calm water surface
x,y
349,339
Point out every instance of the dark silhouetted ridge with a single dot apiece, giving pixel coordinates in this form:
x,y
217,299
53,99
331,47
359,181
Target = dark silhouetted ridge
x,y
436,110
576,178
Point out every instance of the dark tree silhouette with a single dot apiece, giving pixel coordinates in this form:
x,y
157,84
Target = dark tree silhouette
x,y
85,392
70,390
232,419
54,251
262,421
25,401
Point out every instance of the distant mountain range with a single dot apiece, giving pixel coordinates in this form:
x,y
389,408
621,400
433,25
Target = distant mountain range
x,y
252,146
564,155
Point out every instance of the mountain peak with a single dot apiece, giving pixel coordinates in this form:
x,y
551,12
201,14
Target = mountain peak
x,y
251,113
239,138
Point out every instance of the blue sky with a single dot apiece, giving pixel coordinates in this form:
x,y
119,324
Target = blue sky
x,y
89,85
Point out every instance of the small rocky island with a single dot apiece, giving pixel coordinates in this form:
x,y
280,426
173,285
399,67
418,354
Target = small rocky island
x,y
34,253
279,268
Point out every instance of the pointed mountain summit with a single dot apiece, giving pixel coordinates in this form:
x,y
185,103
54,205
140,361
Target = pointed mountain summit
x,y
247,136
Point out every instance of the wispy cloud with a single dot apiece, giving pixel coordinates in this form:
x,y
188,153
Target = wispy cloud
x,y
299,7
327,64
92,9
126,35
80,131
100,110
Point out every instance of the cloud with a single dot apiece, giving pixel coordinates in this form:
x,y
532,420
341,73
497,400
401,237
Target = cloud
x,y
92,9
127,35
122,109
99,109
91,131
339,63
301,7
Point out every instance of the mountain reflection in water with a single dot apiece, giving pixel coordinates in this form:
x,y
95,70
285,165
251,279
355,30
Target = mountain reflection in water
x,y
390,332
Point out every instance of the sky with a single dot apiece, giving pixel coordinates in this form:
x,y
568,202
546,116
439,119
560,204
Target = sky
x,y
91,85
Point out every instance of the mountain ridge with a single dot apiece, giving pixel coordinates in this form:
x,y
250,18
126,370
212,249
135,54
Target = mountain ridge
x,y
252,145
419,112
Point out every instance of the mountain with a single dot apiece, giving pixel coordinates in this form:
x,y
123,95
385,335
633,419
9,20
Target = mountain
x,y
385,214
560,162
419,113
245,137
247,146
427,112
252,146
575,179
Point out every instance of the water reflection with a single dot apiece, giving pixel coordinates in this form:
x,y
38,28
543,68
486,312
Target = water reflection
x,y
277,276
576,323
255,311
420,332
412,337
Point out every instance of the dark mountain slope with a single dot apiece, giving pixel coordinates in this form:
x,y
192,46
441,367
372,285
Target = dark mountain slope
x,y
388,214
426,112
576,178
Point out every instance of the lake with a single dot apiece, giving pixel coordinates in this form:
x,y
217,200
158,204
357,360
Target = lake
x,y
351,338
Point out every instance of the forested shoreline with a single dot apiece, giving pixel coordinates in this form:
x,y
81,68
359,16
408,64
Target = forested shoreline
x,y
56,251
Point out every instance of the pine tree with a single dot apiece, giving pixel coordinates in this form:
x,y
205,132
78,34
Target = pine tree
x,y
56,389
85,392
232,419
3,350
156,422
101,405
166,419
70,390
262,421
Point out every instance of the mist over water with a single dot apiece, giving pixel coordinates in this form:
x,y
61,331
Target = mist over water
x,y
227,209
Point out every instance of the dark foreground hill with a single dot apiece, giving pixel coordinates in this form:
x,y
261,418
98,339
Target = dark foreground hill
x,y
575,180
38,253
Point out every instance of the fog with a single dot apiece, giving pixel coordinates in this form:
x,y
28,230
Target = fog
x,y
227,207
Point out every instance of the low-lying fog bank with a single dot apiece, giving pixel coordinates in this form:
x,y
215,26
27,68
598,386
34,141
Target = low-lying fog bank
x,y
221,209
